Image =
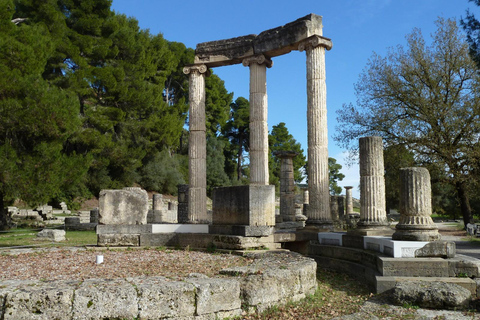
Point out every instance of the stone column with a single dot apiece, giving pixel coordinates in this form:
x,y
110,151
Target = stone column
x,y
373,214
318,183
258,119
197,147
341,207
415,207
334,208
287,185
349,201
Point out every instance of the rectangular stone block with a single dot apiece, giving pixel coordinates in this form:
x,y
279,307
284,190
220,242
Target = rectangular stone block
x,y
160,299
118,240
413,267
158,239
214,295
386,283
125,206
124,229
251,205
105,299
245,231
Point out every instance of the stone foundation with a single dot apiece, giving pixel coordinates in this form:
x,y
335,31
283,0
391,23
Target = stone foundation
x,y
263,284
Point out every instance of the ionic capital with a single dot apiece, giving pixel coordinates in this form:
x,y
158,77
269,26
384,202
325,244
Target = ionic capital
x,y
315,41
199,68
258,59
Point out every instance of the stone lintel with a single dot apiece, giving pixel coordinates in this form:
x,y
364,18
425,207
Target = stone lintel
x,y
271,43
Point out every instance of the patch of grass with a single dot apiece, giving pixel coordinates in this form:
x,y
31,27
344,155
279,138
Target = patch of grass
x,y
333,288
26,237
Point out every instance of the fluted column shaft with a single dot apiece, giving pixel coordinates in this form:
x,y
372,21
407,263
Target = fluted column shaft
x,y
318,176
287,185
197,147
415,207
349,200
258,119
372,183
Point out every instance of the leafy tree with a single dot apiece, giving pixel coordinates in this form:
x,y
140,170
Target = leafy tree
x,y
471,25
162,173
281,140
426,98
217,104
334,176
36,121
395,157
216,175
237,131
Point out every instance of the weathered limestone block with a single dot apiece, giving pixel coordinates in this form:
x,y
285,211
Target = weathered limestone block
x,y
51,235
273,42
125,206
244,205
435,295
118,240
43,301
443,249
215,295
159,298
105,299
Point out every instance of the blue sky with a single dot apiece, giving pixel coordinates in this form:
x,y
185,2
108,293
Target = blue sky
x,y
357,29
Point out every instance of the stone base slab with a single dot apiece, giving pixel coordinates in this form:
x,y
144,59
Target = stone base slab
x,y
376,231
331,238
241,230
386,283
180,228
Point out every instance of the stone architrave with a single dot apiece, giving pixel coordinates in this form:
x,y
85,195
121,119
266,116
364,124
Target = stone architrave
x,y
287,185
258,119
349,201
197,146
124,206
318,176
415,222
373,214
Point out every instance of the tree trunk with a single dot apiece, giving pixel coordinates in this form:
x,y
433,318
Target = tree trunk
x,y
239,162
4,218
464,203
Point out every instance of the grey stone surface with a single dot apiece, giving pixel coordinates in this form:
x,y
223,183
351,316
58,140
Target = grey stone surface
x,y
413,267
124,229
250,205
214,295
126,206
104,298
182,203
118,240
436,295
415,223
273,42
51,235
443,249
159,298
289,276
463,265
40,301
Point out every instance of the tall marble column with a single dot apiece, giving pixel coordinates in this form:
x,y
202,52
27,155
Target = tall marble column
x,y
197,146
287,185
415,207
373,213
318,182
258,119
349,201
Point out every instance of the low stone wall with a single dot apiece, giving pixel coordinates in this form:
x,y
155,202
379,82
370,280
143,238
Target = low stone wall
x,y
273,278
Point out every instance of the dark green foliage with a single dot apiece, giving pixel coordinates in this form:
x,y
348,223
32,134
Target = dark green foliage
x,y
237,131
334,176
216,175
281,140
162,173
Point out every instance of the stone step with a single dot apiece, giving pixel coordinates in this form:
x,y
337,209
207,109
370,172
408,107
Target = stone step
x,y
413,267
386,283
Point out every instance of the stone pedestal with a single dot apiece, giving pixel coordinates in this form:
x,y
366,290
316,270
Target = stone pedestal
x,y
243,210
197,146
415,207
373,216
287,185
258,119
318,176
